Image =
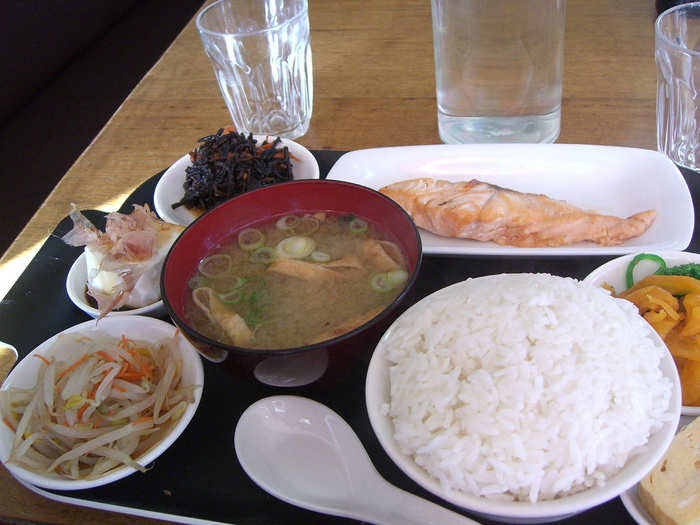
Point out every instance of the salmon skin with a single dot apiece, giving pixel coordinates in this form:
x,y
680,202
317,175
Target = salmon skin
x,y
485,212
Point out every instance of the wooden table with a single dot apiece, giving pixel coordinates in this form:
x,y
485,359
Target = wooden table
x,y
373,86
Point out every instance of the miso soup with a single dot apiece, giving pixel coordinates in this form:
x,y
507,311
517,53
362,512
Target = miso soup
x,y
295,280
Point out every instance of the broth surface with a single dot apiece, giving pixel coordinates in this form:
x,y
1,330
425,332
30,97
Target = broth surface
x,y
290,298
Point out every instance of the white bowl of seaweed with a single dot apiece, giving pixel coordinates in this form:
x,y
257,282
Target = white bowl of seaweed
x,y
185,190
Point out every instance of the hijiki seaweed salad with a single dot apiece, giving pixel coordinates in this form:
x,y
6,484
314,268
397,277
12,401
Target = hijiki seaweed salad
x,y
229,163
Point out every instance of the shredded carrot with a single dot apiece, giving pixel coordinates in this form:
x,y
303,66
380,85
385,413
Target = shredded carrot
x,y
106,356
97,422
82,411
9,424
141,420
133,353
117,387
144,369
123,342
72,367
130,375
43,359
94,391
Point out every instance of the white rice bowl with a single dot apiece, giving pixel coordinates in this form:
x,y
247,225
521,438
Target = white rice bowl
x,y
523,396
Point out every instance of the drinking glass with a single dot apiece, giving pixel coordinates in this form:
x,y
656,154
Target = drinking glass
x,y
498,69
261,56
678,77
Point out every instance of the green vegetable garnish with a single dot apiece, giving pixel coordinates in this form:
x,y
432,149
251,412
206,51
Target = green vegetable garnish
x,y
690,269
250,239
264,255
231,297
215,265
629,276
358,225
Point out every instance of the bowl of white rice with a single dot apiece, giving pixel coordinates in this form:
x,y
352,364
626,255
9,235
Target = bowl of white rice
x,y
523,397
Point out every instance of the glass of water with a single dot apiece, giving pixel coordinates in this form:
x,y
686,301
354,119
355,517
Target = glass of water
x,y
678,84
498,69
261,55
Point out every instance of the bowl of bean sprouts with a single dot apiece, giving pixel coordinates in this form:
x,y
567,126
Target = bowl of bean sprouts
x,y
98,402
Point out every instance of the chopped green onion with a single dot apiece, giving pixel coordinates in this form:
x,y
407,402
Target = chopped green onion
x,y
231,297
308,225
215,265
288,222
195,282
296,247
250,239
225,286
380,282
629,275
397,277
358,225
256,303
263,255
320,257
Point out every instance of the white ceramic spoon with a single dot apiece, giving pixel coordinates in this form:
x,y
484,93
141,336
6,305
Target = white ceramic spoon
x,y
302,452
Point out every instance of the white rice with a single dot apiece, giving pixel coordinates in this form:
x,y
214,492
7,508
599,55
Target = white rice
x,y
524,386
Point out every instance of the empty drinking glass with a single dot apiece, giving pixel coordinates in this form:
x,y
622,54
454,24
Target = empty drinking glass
x,y
261,55
678,84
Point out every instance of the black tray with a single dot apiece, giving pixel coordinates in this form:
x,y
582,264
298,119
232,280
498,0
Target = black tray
x,y
199,477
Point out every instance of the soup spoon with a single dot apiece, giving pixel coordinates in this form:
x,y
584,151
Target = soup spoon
x,y
302,452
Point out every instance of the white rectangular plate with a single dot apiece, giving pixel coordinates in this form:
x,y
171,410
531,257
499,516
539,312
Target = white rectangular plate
x,y
602,179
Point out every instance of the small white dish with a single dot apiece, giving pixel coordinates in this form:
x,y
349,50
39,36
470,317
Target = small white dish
x,y
630,498
603,179
377,395
24,375
75,287
170,186
613,273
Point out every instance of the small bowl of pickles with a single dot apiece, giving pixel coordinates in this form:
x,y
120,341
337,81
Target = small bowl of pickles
x,y
665,286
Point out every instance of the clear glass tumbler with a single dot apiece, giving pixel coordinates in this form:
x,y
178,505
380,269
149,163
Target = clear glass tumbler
x,y
261,55
498,69
678,84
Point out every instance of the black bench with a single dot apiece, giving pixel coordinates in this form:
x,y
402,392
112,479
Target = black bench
x,y
65,67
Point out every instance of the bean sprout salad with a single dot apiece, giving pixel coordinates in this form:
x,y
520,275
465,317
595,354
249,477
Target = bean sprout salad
x,y
97,404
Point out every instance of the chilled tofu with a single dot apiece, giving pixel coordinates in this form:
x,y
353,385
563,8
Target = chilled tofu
x,y
146,289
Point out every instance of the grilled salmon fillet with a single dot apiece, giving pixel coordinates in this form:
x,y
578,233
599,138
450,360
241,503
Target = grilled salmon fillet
x,y
485,212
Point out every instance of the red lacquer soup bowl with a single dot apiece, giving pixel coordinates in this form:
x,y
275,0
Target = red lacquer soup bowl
x,y
222,223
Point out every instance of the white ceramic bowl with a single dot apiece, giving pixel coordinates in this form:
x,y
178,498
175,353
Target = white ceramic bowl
x,y
613,273
377,395
170,190
75,287
25,373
